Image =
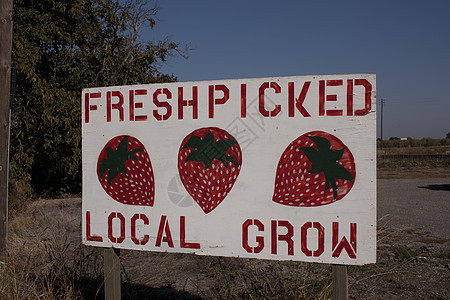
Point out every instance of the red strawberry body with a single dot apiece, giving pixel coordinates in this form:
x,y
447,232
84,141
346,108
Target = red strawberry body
x,y
209,162
125,171
315,169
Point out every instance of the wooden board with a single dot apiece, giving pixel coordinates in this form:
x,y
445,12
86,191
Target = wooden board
x,y
260,192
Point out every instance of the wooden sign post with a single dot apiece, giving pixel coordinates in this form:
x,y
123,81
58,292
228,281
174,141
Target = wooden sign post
x,y
5,81
340,282
111,271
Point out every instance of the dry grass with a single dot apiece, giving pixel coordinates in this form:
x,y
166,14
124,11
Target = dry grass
x,y
47,261
413,172
45,257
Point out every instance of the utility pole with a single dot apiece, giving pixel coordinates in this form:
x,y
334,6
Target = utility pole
x,y
381,123
5,84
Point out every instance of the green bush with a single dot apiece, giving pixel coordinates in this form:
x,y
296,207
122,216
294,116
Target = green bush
x,y
61,47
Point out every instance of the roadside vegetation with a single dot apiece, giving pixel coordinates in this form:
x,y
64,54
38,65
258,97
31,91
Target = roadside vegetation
x,y
47,261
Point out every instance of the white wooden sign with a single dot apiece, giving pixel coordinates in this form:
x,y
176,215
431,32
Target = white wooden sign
x,y
277,168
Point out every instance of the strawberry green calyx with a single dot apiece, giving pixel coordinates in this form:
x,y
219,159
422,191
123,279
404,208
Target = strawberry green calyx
x,y
325,160
115,160
206,150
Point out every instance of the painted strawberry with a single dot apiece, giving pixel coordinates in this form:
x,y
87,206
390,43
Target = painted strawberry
x,y
209,162
125,171
315,169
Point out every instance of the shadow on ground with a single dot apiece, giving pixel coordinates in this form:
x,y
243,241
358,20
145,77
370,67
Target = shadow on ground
x,y
137,291
93,289
436,187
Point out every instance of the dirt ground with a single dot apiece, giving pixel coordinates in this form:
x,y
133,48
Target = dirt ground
x,y
416,172
411,263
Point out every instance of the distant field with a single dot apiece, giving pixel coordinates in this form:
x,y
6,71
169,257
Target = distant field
x,y
412,143
399,160
431,150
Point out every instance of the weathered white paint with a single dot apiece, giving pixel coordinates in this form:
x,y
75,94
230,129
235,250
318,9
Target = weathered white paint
x,y
262,140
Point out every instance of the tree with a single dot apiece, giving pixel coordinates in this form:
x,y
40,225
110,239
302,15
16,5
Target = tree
x,y
61,47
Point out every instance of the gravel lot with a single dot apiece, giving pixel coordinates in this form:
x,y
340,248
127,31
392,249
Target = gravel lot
x,y
422,202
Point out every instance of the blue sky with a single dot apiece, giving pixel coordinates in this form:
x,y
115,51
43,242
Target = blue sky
x,y
406,43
